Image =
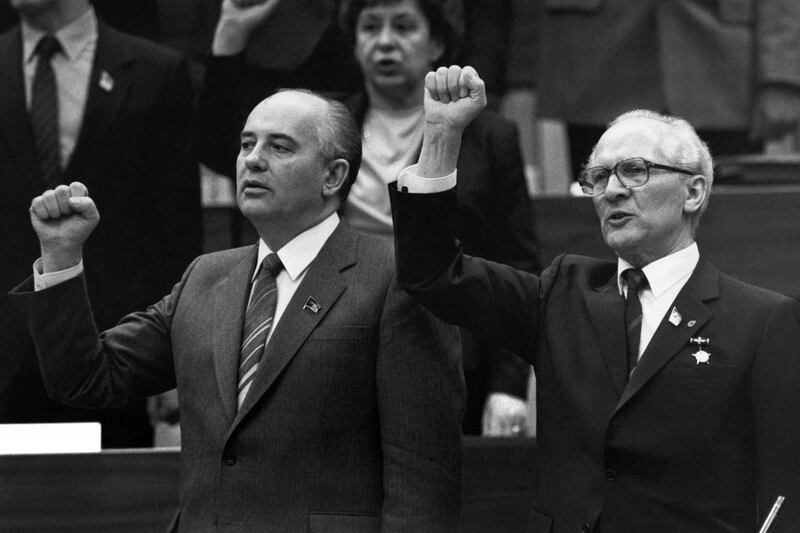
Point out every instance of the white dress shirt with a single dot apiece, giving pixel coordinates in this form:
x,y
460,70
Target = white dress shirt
x,y
72,69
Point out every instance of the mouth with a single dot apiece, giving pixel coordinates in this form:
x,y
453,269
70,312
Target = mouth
x,y
251,185
618,218
387,65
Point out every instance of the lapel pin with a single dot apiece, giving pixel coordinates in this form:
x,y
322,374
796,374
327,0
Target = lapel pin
x,y
106,81
675,317
701,356
691,323
312,305
700,340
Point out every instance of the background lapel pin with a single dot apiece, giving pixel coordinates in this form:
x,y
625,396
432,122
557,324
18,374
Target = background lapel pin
x,y
312,305
106,81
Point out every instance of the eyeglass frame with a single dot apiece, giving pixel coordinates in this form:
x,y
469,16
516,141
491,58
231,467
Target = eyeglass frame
x,y
613,172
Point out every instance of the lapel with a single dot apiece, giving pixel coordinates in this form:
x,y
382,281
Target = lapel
x,y
325,283
228,301
113,64
14,124
668,339
607,310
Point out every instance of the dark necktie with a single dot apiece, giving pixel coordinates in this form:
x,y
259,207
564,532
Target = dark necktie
x,y
636,280
257,322
44,112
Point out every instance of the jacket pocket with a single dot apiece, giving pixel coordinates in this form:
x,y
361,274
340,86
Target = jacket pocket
x,y
343,523
539,523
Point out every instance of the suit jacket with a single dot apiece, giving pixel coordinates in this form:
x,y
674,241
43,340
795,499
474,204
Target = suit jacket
x,y
135,154
352,422
495,222
703,60
681,446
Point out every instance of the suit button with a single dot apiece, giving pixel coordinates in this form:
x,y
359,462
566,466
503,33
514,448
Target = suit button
x,y
229,460
611,474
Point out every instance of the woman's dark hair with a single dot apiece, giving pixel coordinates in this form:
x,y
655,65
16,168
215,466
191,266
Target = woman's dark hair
x,y
445,19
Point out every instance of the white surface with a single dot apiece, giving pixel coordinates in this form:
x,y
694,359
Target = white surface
x,y
79,437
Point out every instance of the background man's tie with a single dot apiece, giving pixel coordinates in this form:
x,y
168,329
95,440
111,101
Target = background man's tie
x,y
44,112
257,322
635,279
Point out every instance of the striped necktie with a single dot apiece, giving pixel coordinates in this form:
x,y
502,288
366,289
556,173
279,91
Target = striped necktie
x,y
257,322
44,112
636,280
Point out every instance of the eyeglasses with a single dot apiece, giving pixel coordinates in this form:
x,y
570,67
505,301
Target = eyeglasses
x,y
631,173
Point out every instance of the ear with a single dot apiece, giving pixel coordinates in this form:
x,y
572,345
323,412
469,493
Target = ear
x,y
697,190
336,174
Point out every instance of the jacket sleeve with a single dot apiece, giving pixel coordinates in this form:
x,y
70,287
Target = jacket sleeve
x,y
82,368
496,301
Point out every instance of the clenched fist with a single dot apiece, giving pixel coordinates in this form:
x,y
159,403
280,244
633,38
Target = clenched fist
x,y
63,219
453,96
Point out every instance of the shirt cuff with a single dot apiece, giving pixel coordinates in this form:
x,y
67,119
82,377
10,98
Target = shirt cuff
x,y
43,281
410,181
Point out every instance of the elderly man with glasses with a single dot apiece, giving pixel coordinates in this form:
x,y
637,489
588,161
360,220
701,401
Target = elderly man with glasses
x,y
669,393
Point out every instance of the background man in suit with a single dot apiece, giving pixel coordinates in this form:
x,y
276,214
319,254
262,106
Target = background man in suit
x,y
730,67
117,114
351,419
675,410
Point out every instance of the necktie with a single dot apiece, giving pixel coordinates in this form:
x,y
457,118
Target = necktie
x,y
44,112
257,322
635,280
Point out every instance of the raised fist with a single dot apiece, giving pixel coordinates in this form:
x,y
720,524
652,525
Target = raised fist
x,y
63,219
453,96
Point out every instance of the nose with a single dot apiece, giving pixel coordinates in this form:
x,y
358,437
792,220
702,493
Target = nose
x,y
386,36
254,161
615,188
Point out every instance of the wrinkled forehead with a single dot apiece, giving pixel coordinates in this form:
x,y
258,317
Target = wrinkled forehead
x,y
634,137
292,113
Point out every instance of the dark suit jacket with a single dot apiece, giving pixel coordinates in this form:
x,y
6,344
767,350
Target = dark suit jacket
x,y
680,447
351,424
703,60
135,154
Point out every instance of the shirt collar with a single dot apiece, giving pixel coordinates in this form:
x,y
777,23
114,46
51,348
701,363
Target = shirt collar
x,y
665,272
298,253
74,37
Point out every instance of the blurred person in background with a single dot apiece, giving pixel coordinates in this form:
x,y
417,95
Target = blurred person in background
x,y
730,67
81,100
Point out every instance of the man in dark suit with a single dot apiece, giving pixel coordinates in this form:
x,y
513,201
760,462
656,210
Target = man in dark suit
x,y
350,419
122,124
675,409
